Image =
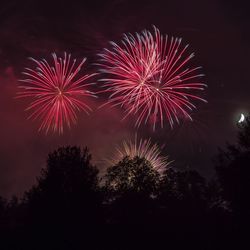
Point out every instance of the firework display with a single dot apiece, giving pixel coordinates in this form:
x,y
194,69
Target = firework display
x,y
143,149
57,92
149,76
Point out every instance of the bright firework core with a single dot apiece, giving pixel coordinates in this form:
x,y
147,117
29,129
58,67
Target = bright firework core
x,y
150,76
56,94
59,91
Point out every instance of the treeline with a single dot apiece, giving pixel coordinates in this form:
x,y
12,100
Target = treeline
x,y
133,206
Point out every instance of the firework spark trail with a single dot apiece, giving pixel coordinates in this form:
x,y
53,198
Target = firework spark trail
x,y
56,92
148,75
143,149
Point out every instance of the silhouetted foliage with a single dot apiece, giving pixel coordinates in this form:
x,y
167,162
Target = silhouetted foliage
x,y
244,134
3,206
187,185
136,208
233,169
132,175
66,200
130,187
3,219
182,204
68,174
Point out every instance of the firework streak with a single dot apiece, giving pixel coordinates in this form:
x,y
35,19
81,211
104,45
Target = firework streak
x,y
57,93
148,75
142,149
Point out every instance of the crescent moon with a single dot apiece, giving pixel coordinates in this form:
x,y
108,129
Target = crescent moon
x,y
242,118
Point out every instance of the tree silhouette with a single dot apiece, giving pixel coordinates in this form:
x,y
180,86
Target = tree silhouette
x,y
136,208
3,206
244,134
130,187
182,205
3,221
66,201
132,175
188,186
233,170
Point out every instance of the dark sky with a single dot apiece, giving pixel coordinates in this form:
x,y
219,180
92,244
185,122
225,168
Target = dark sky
x,y
217,30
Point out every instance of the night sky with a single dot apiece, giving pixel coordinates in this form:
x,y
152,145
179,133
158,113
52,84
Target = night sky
x,y
217,31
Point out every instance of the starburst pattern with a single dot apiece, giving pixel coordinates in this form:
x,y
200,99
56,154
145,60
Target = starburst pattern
x,y
149,76
142,149
57,92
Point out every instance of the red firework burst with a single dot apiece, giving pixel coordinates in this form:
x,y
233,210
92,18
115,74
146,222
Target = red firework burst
x,y
149,76
56,91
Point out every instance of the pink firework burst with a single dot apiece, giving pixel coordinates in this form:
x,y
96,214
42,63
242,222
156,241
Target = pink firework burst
x,y
149,76
56,91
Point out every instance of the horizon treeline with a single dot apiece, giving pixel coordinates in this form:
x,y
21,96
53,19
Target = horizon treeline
x,y
132,206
